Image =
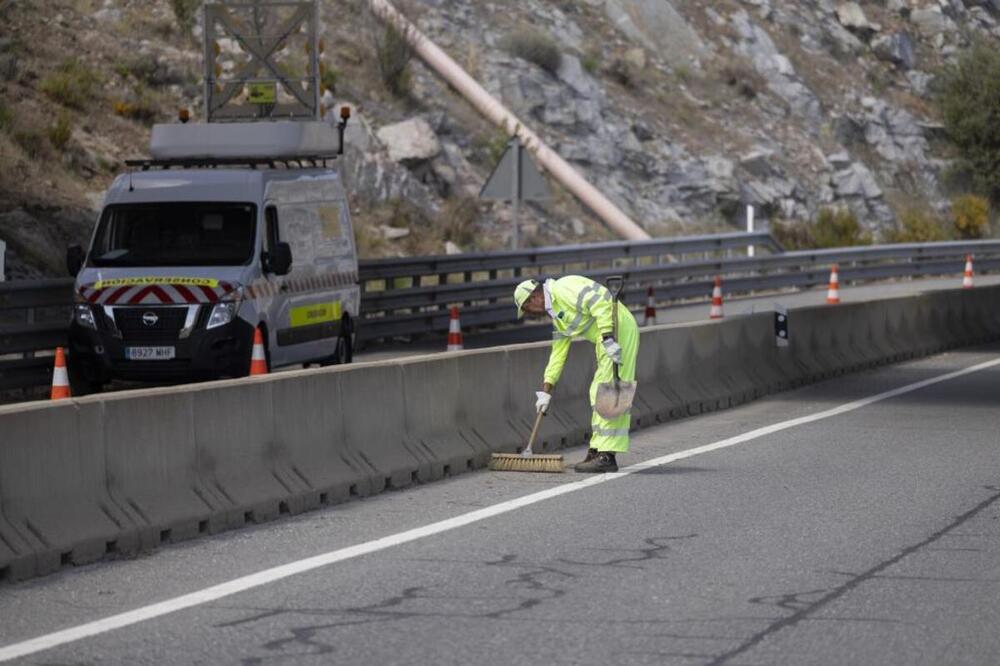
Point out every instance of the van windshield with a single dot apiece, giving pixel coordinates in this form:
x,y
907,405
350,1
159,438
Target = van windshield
x,y
175,234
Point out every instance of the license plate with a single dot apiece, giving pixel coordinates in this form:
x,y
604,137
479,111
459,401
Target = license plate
x,y
149,353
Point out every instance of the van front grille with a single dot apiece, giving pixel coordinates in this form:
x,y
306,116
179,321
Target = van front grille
x,y
159,324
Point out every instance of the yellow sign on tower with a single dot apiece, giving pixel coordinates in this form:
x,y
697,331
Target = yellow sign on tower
x,y
262,93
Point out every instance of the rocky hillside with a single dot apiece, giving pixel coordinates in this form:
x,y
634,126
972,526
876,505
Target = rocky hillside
x,y
681,111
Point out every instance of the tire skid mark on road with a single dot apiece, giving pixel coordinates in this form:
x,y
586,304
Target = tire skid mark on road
x,y
855,581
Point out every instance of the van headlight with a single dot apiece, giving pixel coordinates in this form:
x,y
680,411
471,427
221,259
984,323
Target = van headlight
x,y
84,316
222,314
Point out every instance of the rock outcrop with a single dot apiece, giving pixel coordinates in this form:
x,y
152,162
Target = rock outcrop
x,y
681,111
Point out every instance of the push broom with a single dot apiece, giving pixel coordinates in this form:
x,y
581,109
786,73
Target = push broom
x,y
526,461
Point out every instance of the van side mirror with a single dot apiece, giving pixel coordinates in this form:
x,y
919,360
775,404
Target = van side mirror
x,y
279,260
75,256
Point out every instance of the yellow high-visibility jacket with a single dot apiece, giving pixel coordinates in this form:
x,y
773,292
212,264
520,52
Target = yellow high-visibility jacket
x,y
579,307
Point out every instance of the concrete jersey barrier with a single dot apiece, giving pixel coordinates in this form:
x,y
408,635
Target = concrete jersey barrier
x,y
121,473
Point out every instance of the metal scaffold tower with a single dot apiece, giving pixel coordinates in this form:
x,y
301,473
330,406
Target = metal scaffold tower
x,y
262,60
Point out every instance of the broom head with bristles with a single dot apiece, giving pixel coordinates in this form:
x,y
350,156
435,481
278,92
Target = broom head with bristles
x,y
516,462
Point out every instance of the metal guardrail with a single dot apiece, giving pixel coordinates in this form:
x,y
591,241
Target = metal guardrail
x,y
519,260
31,320
487,282
429,286
23,334
415,310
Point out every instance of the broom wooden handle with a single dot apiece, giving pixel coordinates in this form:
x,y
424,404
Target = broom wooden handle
x,y
534,430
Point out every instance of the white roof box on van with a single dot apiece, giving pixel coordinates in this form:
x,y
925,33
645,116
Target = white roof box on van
x,y
284,139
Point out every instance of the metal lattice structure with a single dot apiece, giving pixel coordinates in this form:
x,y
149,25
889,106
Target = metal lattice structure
x,y
262,60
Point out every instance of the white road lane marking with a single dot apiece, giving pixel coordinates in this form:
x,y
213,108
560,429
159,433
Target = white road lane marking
x,y
216,592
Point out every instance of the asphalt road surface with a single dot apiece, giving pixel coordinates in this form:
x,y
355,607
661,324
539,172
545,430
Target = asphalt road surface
x,y
855,521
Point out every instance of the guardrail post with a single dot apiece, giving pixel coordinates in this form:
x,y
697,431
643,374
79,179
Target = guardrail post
x,y
29,319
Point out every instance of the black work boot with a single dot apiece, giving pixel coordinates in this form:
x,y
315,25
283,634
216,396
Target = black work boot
x,y
599,464
591,453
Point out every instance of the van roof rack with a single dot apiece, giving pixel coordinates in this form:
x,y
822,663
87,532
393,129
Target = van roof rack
x,y
269,144
303,162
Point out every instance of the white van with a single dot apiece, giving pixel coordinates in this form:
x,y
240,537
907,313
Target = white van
x,y
229,228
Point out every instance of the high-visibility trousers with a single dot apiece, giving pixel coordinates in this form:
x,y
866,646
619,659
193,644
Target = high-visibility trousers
x,y
612,434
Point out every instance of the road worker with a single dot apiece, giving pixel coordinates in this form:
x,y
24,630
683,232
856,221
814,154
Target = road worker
x,y
582,308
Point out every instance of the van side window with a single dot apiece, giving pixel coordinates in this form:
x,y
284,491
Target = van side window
x,y
273,237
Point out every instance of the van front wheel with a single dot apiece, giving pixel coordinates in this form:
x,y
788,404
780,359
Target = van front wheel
x,y
81,381
344,352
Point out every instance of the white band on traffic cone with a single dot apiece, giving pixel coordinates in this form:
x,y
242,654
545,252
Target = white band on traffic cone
x,y
833,292
60,377
716,311
258,357
455,342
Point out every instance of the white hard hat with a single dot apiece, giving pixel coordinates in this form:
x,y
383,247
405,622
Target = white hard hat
x,y
522,293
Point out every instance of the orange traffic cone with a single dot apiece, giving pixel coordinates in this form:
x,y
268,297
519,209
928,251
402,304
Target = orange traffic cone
x,y
650,319
258,359
455,342
967,280
60,377
833,292
716,311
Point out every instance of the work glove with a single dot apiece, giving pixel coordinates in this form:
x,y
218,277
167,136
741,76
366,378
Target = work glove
x,y
613,350
542,403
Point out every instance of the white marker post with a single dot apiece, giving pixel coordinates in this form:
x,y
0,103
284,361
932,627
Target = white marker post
x,y
3,253
515,195
750,248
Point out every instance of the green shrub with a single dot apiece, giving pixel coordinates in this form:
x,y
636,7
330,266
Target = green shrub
x,y
535,47
6,118
140,106
838,227
742,77
185,12
495,147
328,78
968,94
971,216
393,53
591,61
61,131
73,84
792,236
370,243
144,68
32,140
833,227
917,225
624,73
458,221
